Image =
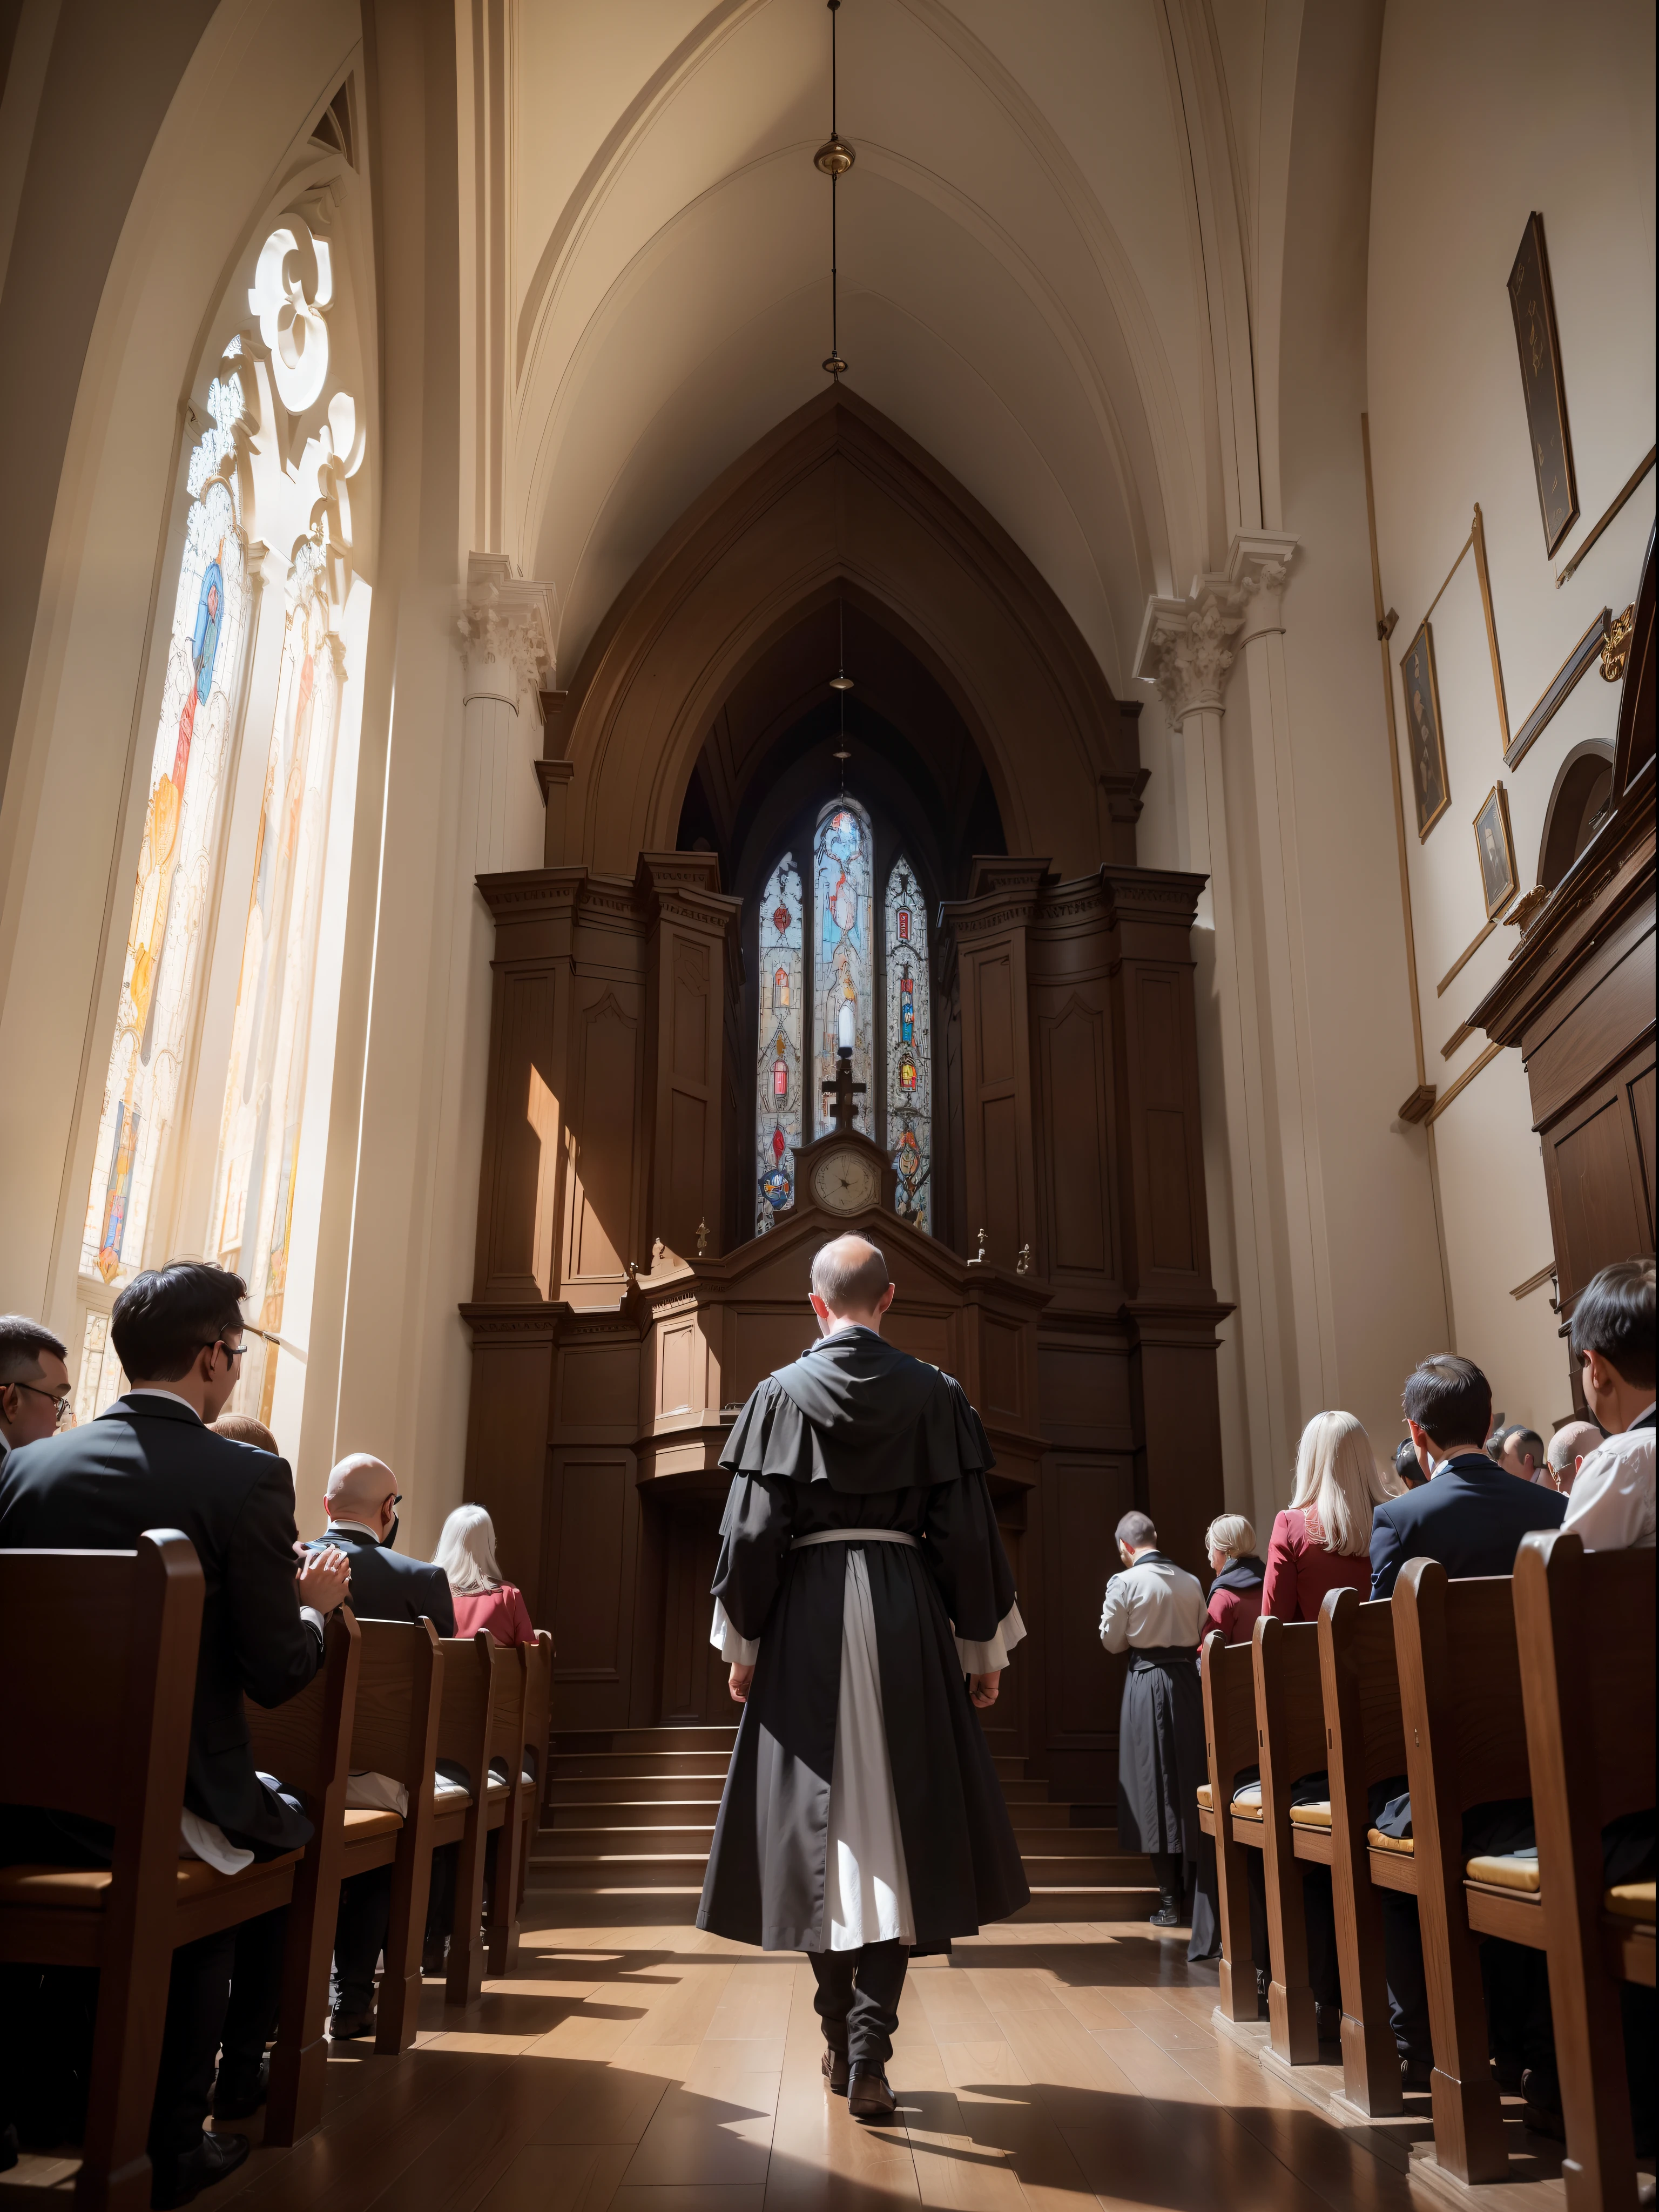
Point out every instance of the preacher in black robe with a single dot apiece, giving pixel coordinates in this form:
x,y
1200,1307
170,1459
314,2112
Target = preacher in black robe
x,y
866,1636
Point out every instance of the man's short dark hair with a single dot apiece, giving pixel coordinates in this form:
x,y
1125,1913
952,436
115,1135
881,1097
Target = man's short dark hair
x,y
164,1317
1524,1440
1406,1464
1450,1399
1135,1530
21,1343
1614,1316
850,1275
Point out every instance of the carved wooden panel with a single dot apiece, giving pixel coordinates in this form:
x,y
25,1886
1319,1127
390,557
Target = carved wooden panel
x,y
676,1374
1000,1369
694,1679
1598,1167
924,1336
603,1132
593,1534
1169,1138
523,1159
507,1446
1074,1076
1083,1390
598,1387
996,1021
1084,1498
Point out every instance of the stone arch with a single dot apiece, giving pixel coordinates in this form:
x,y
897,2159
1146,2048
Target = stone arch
x,y
837,497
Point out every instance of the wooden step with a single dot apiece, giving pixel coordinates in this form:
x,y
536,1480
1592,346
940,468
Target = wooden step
x,y
1090,1902
559,1845
620,1869
719,1740
631,1813
564,1763
635,1789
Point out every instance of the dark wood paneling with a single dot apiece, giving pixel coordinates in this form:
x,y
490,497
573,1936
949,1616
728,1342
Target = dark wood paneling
x,y
1596,1165
604,1235
1077,1141
594,1519
694,1687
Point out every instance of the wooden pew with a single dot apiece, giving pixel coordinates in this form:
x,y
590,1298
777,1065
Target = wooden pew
x,y
1365,1743
306,1744
470,1667
1230,1743
537,1661
105,1734
1290,1716
1466,1744
507,1830
1585,1626
394,1731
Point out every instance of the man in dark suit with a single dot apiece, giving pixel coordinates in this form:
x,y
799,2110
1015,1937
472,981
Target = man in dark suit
x,y
151,1462
1470,1514
362,1503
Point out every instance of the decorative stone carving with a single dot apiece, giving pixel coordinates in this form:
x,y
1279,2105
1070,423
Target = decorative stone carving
x,y
506,631
292,286
1186,645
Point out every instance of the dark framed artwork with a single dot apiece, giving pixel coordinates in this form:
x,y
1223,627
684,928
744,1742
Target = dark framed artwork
x,y
1424,741
1496,848
1533,304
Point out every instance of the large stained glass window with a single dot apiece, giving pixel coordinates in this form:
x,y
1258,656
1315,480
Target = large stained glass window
x,y
909,1055
259,1133
778,1074
844,953
171,895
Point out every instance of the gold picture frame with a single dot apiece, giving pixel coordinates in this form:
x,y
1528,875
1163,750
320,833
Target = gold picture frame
x,y
1426,741
1494,849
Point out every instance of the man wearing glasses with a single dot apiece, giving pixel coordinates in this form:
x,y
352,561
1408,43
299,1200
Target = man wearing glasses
x,y
152,1461
34,1384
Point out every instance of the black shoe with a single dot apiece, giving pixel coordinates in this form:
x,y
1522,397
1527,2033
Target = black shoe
x,y
346,2027
175,2181
1167,1914
1415,2073
868,2096
835,2071
237,2094
1327,2023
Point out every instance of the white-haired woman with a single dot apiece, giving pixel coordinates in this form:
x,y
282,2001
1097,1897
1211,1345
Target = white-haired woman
x,y
466,1552
1322,1540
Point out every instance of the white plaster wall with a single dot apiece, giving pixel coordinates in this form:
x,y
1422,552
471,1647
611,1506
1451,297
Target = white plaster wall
x,y
1485,112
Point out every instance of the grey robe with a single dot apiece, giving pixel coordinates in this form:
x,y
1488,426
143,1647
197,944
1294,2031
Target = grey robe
x,y
858,1435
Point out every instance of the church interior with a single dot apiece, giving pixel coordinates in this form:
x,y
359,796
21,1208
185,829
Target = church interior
x,y
1029,629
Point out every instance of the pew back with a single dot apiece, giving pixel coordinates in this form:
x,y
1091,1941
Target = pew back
x,y
1466,1642
537,1658
1368,1648
306,1740
464,1712
389,1727
136,1622
1587,1620
1289,1703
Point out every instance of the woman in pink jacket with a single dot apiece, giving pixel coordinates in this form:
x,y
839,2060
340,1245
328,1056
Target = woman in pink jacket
x,y
1322,1540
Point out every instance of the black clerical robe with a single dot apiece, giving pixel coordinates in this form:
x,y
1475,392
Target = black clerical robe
x,y
858,1435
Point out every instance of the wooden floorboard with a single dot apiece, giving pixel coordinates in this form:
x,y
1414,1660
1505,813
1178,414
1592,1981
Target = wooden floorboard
x,y
644,2067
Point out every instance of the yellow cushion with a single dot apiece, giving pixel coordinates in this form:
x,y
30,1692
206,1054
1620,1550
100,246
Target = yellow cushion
x,y
1312,1816
86,1889
362,1822
1505,1873
1379,1842
450,1801
1204,1796
1631,1900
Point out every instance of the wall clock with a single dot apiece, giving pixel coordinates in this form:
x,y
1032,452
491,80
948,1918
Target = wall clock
x,y
846,1182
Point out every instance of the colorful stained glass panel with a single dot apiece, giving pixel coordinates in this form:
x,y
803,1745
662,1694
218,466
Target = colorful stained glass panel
x,y
844,953
910,1103
778,1124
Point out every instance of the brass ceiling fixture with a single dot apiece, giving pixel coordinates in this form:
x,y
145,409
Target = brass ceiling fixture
x,y
835,157
840,684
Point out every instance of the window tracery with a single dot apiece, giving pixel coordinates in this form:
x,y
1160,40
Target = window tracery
x,y
778,1075
843,980
910,1121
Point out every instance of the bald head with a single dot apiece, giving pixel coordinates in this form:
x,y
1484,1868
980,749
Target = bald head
x,y
363,1489
1568,1447
850,1287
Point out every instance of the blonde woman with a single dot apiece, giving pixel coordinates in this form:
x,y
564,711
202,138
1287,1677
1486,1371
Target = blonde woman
x,y
1235,1593
1321,1541
466,1552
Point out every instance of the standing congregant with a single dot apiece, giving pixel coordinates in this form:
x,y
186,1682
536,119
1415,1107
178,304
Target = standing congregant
x,y
861,1579
1154,1611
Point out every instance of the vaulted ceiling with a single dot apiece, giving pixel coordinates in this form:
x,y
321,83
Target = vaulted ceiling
x,y
1029,283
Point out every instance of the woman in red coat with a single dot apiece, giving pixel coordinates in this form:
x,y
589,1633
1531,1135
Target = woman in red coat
x,y
466,1552
1235,1593
1322,1540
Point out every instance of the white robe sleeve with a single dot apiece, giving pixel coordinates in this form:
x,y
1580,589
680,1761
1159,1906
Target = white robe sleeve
x,y
735,1651
1115,1615
991,1658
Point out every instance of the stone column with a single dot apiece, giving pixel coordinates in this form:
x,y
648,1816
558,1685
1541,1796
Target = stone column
x,y
506,631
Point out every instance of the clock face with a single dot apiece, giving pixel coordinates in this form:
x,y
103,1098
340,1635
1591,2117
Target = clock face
x,y
846,1182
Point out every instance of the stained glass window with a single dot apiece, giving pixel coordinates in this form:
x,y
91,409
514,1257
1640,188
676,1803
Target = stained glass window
x,y
259,1132
910,1056
844,953
171,894
778,1122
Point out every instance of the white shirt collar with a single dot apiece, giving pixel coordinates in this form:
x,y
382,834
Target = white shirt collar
x,y
152,1390
356,1528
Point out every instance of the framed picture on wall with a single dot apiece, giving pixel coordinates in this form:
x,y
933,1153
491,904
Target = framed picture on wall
x,y
1496,848
1533,305
1424,738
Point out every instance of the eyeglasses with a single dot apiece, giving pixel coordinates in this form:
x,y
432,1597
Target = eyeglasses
x,y
58,1400
217,1343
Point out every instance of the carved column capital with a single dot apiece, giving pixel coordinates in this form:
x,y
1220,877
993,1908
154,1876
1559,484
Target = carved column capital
x,y
1186,650
506,631
1258,561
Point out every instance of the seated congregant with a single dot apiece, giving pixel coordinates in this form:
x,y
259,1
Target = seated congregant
x,y
361,1502
34,1384
1407,1473
244,1429
1321,1540
1566,1452
1235,1593
1612,1504
466,1552
1519,1451
150,1461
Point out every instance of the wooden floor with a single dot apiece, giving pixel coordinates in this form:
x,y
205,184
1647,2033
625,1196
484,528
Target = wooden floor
x,y
654,2068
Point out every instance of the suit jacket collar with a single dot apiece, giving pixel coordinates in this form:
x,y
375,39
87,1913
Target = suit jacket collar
x,y
146,1404
350,1532
1472,1464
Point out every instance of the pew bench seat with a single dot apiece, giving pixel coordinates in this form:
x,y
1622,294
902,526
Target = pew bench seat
x,y
1505,1898
1310,1831
62,1907
1392,1861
